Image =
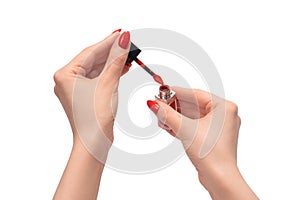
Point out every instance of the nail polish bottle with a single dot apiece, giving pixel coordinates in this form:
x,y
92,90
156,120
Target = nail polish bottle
x,y
168,96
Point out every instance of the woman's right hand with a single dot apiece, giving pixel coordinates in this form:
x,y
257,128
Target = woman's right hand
x,y
208,128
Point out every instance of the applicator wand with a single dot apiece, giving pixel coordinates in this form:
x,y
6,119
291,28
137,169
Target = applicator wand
x,y
132,56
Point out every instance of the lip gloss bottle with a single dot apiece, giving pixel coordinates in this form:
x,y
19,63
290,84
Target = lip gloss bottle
x,y
168,96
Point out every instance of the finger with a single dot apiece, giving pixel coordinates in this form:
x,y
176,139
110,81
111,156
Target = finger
x,y
184,128
189,110
116,59
126,69
166,128
165,114
195,96
202,100
163,126
90,61
169,117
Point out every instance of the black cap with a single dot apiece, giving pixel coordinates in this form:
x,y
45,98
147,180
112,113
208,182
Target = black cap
x,y
133,53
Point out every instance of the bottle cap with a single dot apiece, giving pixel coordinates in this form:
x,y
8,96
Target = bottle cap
x,y
133,53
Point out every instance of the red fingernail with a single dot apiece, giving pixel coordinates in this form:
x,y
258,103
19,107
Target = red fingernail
x,y
118,30
124,40
153,105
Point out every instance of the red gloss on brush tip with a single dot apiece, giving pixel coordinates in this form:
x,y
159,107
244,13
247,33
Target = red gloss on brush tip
x,y
158,79
132,56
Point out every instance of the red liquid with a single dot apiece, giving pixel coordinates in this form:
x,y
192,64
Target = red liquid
x,y
158,79
140,63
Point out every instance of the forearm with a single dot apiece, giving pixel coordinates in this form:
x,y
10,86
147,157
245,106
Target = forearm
x,y
81,177
228,184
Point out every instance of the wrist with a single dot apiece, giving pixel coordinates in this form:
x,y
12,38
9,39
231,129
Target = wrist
x,y
82,175
81,152
226,183
217,177
217,182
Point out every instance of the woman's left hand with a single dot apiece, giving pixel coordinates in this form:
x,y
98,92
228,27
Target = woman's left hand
x,y
87,89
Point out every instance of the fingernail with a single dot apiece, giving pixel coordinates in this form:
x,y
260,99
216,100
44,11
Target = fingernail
x,y
153,105
118,30
124,40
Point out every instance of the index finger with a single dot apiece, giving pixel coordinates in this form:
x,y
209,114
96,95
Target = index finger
x,y
194,96
94,55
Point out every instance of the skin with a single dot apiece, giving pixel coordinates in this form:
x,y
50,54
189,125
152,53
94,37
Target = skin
x,y
218,171
100,66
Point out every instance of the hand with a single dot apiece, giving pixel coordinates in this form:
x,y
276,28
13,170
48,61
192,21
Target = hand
x,y
87,89
208,128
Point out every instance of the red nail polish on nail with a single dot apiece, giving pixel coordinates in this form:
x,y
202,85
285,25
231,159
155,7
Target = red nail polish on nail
x,y
118,30
124,40
153,105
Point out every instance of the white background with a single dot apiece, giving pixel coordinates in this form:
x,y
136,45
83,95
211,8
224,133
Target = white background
x,y
254,44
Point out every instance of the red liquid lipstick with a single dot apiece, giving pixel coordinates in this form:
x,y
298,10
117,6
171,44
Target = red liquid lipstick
x,y
132,56
165,95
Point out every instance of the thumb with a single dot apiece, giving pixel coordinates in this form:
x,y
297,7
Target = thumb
x,y
116,59
184,128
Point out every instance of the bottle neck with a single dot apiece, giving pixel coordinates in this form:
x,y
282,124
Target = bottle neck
x,y
164,92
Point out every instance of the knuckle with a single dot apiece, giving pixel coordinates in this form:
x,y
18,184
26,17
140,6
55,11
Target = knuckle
x,y
116,66
87,49
210,106
169,113
120,60
58,77
231,108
